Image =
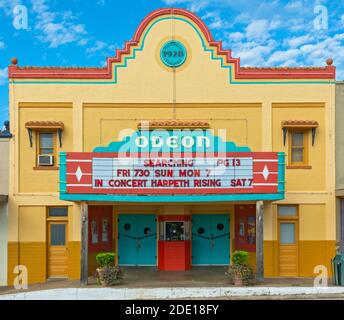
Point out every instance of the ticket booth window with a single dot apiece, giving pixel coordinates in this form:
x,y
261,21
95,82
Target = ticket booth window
x,y
174,230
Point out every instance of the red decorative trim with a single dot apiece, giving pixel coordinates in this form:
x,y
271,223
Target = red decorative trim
x,y
44,125
15,72
300,124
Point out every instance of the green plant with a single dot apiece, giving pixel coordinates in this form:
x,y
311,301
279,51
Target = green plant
x,y
109,275
240,258
239,270
105,258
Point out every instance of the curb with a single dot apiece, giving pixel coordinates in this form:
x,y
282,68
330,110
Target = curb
x,y
168,293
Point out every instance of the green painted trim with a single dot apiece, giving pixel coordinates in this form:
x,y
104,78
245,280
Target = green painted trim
x,y
281,172
172,199
206,49
63,172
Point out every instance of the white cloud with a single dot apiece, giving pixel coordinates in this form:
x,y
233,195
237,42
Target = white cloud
x,y
296,24
317,53
280,57
3,76
101,48
294,5
215,20
258,29
57,28
252,53
298,41
99,45
235,36
253,56
8,5
192,5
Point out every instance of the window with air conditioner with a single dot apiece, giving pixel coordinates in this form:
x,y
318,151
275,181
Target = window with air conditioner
x,y
46,149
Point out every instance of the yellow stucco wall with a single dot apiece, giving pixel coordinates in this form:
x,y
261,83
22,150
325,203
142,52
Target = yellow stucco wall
x,y
31,180
95,115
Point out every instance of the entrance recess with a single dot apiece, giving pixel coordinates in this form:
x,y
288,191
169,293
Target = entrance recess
x,y
210,239
57,250
137,239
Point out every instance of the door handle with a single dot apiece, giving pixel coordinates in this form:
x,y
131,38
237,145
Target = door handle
x,y
212,242
138,243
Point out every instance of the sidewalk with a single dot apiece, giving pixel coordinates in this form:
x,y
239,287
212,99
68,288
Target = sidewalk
x,y
148,283
180,293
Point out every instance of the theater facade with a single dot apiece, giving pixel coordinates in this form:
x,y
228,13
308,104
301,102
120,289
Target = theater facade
x,y
173,156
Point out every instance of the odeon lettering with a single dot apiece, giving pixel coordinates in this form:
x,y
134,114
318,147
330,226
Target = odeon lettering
x,y
172,141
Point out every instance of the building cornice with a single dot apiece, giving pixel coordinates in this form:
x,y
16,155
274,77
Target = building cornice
x,y
17,72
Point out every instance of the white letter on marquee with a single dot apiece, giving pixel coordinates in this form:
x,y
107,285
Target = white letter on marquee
x,y
157,142
189,143
172,142
200,140
141,142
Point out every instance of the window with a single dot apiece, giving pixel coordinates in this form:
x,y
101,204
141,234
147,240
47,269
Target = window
x,y
46,149
58,234
175,230
287,212
46,143
298,147
58,212
287,233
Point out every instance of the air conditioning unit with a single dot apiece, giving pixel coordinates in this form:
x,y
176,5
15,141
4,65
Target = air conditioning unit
x,y
45,160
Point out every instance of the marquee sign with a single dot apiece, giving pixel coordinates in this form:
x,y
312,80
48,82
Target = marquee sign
x,y
152,164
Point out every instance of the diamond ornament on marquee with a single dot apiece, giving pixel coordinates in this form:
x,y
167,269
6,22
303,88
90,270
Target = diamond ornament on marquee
x,y
78,174
266,173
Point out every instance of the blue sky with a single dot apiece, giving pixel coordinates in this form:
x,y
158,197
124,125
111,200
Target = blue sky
x,y
84,33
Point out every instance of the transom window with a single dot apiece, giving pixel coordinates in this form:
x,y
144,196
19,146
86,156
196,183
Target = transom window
x,y
287,211
58,212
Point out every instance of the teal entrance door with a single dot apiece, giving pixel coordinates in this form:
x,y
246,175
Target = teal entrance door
x,y
137,239
210,239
